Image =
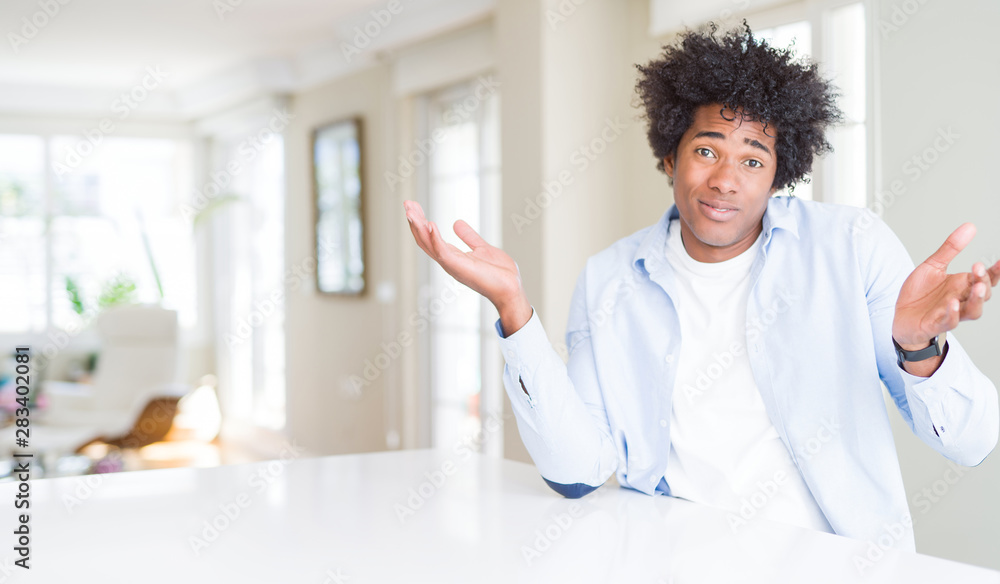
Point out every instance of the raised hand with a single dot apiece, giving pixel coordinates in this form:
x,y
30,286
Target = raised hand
x,y
486,269
932,301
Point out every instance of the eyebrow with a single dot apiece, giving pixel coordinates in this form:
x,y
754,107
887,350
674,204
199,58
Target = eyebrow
x,y
719,136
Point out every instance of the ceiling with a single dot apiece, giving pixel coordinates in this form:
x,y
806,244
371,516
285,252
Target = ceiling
x,y
77,58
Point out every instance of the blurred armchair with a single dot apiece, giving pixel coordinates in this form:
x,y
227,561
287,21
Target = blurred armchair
x,y
135,377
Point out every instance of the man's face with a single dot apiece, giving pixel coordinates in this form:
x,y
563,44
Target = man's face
x,y
722,164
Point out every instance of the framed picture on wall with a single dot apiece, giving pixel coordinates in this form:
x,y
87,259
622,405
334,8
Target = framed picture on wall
x,y
338,190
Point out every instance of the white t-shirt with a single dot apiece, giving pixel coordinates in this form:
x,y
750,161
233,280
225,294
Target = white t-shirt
x,y
724,450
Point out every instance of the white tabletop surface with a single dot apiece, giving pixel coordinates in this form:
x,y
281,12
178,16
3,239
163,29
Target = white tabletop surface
x,y
347,519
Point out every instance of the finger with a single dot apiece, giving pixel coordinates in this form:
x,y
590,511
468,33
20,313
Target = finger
x,y
414,212
973,308
421,237
444,252
419,229
469,235
981,281
995,274
951,247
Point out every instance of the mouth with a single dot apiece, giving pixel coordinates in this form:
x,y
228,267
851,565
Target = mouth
x,y
716,211
719,207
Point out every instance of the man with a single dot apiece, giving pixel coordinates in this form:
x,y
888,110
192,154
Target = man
x,y
732,353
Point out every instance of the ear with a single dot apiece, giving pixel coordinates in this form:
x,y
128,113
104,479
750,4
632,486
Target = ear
x,y
668,164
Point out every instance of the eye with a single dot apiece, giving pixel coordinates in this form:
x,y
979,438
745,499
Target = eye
x,y
705,152
753,163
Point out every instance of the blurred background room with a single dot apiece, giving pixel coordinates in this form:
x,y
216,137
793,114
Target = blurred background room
x,y
203,242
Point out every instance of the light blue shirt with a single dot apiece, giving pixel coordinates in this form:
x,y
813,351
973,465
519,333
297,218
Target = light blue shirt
x,y
819,338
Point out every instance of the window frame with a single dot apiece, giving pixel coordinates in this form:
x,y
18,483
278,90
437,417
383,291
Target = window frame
x,y
813,11
491,367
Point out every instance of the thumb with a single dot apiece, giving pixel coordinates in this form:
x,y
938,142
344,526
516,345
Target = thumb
x,y
951,247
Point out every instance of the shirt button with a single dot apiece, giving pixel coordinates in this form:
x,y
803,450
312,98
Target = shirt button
x,y
663,423
669,359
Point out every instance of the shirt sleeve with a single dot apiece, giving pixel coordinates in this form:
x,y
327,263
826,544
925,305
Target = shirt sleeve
x,y
558,406
954,410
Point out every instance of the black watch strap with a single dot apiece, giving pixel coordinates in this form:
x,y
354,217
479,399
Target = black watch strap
x,y
935,349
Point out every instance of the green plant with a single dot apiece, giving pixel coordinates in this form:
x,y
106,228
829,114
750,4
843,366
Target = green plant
x,y
73,291
119,290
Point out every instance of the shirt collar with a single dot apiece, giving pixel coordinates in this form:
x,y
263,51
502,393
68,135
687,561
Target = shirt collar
x,y
653,248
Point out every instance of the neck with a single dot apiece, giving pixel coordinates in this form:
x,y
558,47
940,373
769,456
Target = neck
x,y
711,254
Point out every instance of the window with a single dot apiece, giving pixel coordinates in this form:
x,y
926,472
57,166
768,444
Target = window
x,y
112,218
23,300
463,182
798,37
250,281
845,174
834,35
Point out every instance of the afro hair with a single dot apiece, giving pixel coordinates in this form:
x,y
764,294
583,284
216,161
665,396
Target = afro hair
x,y
745,75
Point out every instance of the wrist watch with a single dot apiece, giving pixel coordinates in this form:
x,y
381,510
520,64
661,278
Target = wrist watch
x,y
936,348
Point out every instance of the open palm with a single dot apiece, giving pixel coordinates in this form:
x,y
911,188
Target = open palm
x,y
932,301
486,269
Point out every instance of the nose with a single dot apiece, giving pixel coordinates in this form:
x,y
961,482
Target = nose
x,y
723,178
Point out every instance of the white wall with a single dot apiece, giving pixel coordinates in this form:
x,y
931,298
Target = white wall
x,y
940,70
330,337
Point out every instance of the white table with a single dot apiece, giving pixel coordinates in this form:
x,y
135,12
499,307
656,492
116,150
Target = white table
x,y
337,519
